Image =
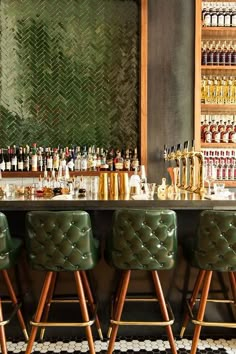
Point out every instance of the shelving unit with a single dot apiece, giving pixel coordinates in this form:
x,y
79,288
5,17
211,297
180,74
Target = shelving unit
x,y
211,34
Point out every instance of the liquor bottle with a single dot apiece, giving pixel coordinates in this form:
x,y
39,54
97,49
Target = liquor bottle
x,y
27,158
8,159
84,160
40,159
127,161
118,161
228,13
233,18
70,160
20,160
204,54
216,56
34,158
2,161
214,18
49,160
55,159
207,18
78,159
110,159
98,160
210,54
13,159
135,160
221,17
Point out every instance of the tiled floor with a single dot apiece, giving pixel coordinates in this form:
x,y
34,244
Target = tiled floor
x,y
128,345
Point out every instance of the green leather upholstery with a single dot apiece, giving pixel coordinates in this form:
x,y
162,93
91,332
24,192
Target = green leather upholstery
x,y
214,247
142,239
9,247
60,241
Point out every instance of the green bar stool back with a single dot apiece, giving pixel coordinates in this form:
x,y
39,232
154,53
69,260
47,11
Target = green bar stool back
x,y
62,241
10,249
213,249
142,240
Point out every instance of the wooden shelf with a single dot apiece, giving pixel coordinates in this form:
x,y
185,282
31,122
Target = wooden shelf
x,y
37,174
218,145
218,67
218,108
218,29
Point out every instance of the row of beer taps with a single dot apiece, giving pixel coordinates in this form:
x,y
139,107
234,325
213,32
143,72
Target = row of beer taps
x,y
186,167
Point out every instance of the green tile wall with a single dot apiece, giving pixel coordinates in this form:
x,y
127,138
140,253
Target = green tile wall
x,y
69,72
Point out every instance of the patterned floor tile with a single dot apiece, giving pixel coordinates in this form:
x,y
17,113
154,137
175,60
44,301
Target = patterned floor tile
x,y
128,345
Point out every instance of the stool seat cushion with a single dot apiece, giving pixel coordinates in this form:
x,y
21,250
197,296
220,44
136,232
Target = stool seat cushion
x,y
9,247
214,246
142,240
61,241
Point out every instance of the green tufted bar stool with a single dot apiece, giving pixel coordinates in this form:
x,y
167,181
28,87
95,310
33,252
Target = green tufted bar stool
x,y
62,242
142,240
212,250
9,254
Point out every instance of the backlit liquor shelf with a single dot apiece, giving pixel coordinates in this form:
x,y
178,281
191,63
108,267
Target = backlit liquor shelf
x,y
31,174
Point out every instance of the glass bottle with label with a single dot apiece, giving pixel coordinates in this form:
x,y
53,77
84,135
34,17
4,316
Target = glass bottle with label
x,y
8,159
20,160
13,159
34,158
2,161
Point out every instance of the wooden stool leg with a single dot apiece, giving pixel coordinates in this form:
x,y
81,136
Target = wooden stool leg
x,y
117,295
48,303
3,341
201,310
192,300
39,311
91,301
84,310
15,302
119,309
232,280
164,311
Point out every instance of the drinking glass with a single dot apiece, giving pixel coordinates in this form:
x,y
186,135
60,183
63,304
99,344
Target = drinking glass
x,y
209,175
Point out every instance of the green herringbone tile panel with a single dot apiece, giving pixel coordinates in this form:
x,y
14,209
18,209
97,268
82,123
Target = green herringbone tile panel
x,y
69,72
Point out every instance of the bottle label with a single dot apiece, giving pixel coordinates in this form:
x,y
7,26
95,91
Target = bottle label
x,y
2,166
20,165
214,20
233,20
227,20
207,20
8,166
34,163
49,163
221,21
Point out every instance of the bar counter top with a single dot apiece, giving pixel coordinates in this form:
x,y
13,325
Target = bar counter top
x,y
181,201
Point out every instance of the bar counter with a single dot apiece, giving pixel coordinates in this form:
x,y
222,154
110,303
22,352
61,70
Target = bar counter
x,y
181,201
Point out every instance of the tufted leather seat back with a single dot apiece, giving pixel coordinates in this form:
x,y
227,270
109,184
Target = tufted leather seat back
x,y
215,245
143,239
60,241
9,247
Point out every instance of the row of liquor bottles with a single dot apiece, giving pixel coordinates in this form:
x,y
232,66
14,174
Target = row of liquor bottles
x,y
220,14
220,53
218,89
218,128
75,158
223,161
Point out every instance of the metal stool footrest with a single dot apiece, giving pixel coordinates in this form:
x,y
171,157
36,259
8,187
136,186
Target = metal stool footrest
x,y
144,323
15,309
210,323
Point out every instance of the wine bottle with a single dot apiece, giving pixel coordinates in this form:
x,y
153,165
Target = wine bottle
x,y
8,159
34,158
2,161
13,159
20,160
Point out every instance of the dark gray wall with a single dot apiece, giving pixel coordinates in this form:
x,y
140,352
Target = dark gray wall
x,y
170,79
